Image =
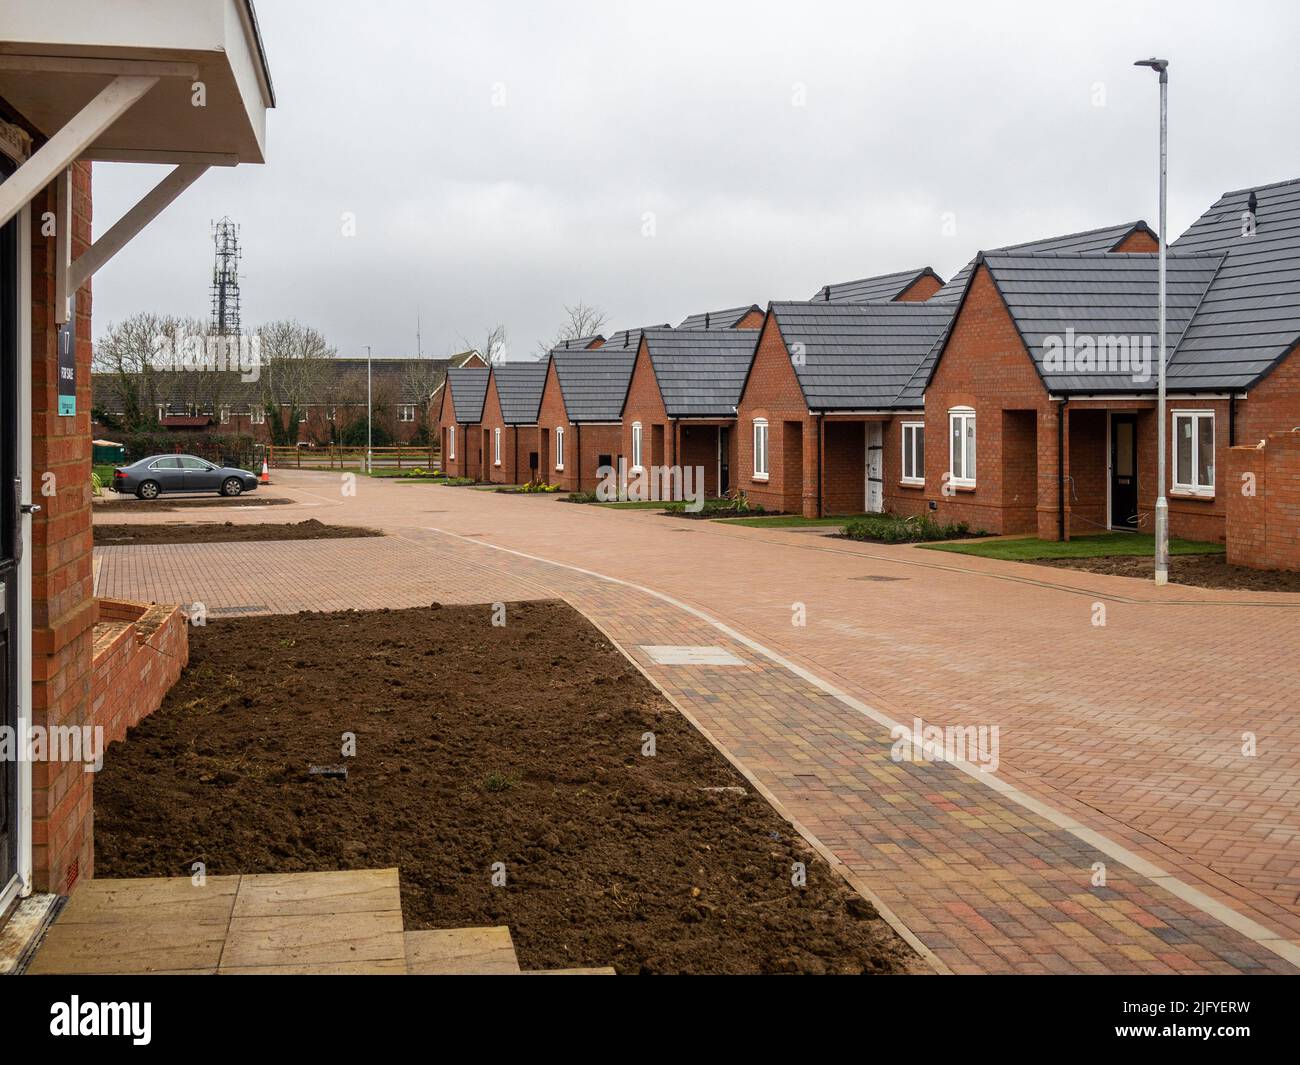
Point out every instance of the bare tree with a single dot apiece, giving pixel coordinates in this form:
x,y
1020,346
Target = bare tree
x,y
295,364
493,349
138,356
580,321
419,379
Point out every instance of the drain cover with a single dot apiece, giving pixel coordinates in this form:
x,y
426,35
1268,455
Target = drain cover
x,y
877,577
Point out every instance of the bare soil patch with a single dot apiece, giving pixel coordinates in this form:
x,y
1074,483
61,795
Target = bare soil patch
x,y
478,744
226,532
1202,571
129,504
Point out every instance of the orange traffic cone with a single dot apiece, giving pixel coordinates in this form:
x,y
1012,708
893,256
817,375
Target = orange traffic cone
x,y
266,474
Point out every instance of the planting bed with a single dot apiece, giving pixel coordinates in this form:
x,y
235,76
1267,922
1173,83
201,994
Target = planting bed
x,y
1203,571
477,744
212,532
132,505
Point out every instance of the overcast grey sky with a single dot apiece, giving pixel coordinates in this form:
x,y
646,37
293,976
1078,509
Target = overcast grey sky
x,y
778,146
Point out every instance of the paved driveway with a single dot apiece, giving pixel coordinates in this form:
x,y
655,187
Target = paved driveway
x,y
1119,744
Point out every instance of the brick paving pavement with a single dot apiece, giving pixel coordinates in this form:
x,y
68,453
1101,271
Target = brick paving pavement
x,y
1092,737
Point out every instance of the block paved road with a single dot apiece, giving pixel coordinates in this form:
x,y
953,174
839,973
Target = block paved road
x,y
1120,743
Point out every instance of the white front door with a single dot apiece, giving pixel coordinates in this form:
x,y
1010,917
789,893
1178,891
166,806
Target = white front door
x,y
875,468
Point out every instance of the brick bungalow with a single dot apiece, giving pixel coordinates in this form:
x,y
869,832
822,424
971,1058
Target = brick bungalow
x,y
750,317
905,286
821,429
1065,448
77,88
460,417
681,403
514,395
579,428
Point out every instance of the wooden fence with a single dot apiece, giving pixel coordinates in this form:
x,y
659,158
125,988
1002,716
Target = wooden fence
x,y
400,457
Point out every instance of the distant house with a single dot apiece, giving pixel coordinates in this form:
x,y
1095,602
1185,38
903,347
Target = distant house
x,y
404,392
905,286
750,317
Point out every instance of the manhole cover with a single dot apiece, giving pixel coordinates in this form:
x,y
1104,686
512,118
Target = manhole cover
x,y
219,611
683,655
877,577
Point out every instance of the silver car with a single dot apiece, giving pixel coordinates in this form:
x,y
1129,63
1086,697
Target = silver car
x,y
150,477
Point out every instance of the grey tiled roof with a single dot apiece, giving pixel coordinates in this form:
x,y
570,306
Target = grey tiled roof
x,y
1098,296
519,388
880,289
1250,316
630,338
1092,241
701,372
468,387
594,383
718,319
578,343
858,356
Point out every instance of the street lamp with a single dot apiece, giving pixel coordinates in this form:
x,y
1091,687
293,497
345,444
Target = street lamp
x,y
1161,66
369,416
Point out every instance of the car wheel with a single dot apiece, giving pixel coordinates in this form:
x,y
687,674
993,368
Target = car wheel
x,y
148,490
232,486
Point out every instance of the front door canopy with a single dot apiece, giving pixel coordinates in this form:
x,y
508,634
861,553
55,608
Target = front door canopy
x,y
214,85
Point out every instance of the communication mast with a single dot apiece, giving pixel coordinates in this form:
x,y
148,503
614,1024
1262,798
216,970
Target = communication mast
x,y
225,279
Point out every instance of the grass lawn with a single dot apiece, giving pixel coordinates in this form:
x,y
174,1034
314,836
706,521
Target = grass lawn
x,y
634,504
409,472
1102,545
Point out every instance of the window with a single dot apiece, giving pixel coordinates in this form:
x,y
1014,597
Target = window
x,y
961,446
258,415
333,414
496,447
225,415
1194,452
166,464
559,448
760,448
451,441
914,452
406,412
636,445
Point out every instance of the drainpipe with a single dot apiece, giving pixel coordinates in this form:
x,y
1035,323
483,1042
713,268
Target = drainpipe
x,y
1232,420
1060,469
577,454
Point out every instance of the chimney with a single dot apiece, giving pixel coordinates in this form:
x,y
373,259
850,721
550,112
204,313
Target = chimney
x,y
706,319
1252,205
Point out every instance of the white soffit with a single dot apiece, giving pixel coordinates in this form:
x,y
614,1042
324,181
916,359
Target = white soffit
x,y
55,58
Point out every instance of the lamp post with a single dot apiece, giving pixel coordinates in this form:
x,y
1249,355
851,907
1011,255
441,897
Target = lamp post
x,y
1161,66
370,455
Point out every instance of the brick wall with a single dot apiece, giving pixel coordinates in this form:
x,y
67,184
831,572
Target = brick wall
x,y
772,391
844,471
63,610
468,460
1261,490
920,290
140,650
516,442
645,405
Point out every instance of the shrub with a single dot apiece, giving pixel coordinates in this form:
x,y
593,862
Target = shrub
x,y
892,529
737,506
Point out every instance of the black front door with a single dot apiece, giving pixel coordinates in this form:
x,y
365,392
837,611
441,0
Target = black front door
x,y
1123,472
10,536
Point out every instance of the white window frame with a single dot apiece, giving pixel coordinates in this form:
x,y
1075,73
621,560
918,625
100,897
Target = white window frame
x,y
917,431
496,447
637,445
333,414
559,447
1204,491
406,412
969,461
225,415
257,415
451,442
762,442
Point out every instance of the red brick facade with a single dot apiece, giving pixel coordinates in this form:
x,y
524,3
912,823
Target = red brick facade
x,y
1261,489
518,443
461,444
